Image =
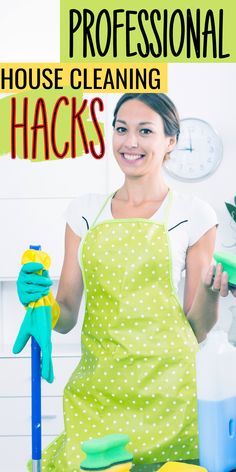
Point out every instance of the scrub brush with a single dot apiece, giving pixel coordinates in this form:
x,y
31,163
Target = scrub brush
x,y
228,261
107,454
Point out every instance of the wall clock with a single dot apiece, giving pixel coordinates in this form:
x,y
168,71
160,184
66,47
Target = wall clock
x,y
198,153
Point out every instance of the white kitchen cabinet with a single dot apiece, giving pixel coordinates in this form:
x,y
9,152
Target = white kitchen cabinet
x,y
15,414
16,379
15,451
15,386
15,408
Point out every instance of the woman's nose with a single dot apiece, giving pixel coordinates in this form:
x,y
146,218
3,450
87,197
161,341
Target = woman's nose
x,y
131,140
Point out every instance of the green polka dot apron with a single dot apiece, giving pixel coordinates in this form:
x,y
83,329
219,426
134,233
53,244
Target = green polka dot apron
x,y
137,370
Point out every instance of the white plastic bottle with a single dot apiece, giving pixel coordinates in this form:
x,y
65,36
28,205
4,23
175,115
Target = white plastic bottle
x,y
216,391
232,329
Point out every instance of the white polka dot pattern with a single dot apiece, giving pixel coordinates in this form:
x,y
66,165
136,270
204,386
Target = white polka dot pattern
x,y
137,371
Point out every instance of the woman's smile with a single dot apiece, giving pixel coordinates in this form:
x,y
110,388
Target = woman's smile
x,y
132,157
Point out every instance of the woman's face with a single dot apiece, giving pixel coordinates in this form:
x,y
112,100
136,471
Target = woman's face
x,y
139,141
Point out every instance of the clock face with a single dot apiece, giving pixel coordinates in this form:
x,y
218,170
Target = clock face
x,y
198,152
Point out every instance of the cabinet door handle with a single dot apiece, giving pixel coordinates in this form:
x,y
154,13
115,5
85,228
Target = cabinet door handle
x,y
49,417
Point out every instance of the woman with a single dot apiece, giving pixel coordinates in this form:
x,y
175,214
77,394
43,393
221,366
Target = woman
x,y
137,372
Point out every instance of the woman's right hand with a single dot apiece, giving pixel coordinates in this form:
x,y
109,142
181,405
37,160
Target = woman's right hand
x,y
33,282
233,291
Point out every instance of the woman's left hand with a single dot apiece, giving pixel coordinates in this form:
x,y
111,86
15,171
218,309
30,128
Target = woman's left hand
x,y
216,281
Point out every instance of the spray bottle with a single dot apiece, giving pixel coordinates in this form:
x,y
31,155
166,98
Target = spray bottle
x,y
216,391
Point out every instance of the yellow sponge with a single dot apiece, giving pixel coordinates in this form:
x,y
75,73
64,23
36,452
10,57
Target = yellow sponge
x,y
181,467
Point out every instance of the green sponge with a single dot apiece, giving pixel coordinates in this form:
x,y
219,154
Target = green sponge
x,y
105,452
228,261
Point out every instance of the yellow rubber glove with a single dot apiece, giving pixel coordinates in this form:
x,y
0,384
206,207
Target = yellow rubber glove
x,y
48,300
41,315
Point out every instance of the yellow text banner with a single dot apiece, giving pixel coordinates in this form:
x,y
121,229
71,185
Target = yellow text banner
x,y
87,78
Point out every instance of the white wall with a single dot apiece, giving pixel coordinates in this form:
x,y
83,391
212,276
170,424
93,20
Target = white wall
x,y
29,31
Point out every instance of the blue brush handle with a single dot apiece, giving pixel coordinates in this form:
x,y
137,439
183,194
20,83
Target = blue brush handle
x,y
36,397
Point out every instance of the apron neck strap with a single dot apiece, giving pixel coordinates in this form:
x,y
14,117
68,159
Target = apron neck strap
x,y
102,208
168,208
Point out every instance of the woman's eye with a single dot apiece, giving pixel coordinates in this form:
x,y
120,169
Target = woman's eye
x,y
145,131
120,129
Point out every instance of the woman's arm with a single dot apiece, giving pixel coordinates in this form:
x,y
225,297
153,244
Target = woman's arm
x,y
201,298
70,288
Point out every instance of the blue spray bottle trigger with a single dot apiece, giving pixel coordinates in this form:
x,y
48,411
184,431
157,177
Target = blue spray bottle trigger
x,y
36,248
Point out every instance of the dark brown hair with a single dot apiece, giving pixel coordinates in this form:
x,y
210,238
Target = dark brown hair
x,y
161,104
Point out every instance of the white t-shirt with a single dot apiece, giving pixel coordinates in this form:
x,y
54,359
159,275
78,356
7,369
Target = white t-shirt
x,y
189,219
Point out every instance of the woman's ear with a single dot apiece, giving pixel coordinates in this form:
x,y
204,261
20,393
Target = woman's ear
x,y
172,143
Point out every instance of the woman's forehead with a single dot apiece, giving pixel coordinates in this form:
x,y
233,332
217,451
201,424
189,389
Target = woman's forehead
x,y
137,112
